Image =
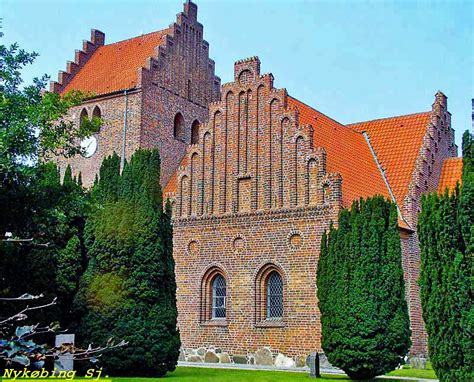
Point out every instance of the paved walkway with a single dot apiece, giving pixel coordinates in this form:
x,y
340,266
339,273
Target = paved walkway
x,y
287,369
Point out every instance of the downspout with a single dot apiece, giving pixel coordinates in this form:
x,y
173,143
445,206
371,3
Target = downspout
x,y
382,172
124,131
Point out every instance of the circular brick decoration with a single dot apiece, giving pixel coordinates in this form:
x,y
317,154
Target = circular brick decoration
x,y
193,247
295,240
238,244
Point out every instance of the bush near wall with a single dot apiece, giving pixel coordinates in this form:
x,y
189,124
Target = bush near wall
x,y
129,289
446,232
364,315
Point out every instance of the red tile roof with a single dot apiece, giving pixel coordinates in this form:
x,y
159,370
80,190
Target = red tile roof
x,y
115,66
347,154
397,142
172,185
450,174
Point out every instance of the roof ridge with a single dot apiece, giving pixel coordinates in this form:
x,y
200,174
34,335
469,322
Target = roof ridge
x,y
132,38
382,119
311,107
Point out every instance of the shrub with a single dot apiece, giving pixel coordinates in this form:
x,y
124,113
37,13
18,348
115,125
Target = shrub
x,y
364,315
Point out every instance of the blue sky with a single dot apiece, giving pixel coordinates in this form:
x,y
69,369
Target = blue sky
x,y
352,60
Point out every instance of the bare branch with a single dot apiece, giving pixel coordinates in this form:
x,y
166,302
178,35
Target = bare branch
x,y
21,315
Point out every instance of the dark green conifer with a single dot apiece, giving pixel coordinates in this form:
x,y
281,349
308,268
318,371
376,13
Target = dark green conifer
x,y
364,315
446,234
129,289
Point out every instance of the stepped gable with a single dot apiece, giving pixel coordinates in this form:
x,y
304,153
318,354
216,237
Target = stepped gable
x,y
114,67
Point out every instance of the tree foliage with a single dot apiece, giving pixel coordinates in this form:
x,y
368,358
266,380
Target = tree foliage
x,y
129,288
364,315
446,232
41,214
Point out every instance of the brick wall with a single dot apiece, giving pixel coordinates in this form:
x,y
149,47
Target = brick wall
x,y
438,144
110,136
255,193
180,77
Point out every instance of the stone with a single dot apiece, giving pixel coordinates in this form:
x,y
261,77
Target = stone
x,y
324,363
225,358
182,356
239,358
211,357
282,361
189,352
194,358
264,357
300,360
418,362
201,351
217,350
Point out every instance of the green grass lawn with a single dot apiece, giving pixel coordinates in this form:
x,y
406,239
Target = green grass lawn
x,y
195,374
415,373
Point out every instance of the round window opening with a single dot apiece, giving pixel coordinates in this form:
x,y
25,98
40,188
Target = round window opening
x,y
193,247
239,244
296,241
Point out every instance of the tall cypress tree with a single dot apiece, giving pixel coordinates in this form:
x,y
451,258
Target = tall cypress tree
x,y
364,315
446,232
129,290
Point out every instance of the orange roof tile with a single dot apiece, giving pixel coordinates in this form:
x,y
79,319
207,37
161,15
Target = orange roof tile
x,y
397,142
172,185
347,154
450,174
114,67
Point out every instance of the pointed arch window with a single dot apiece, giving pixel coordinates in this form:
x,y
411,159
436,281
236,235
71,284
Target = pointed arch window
x,y
269,297
219,294
83,116
195,132
178,128
96,113
274,296
214,302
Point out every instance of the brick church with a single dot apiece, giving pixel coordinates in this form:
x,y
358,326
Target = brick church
x,y
255,176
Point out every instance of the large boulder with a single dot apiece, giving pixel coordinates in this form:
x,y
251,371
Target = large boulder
x,y
201,351
300,361
264,357
282,361
224,358
240,359
211,357
194,358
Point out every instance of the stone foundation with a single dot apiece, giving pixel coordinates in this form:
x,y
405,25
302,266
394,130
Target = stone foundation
x,y
262,357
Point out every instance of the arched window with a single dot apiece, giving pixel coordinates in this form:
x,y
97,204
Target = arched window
x,y
96,112
269,303
178,129
213,296
274,296
83,116
195,132
218,297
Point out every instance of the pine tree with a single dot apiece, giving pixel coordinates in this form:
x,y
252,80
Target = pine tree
x,y
445,232
364,315
129,289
